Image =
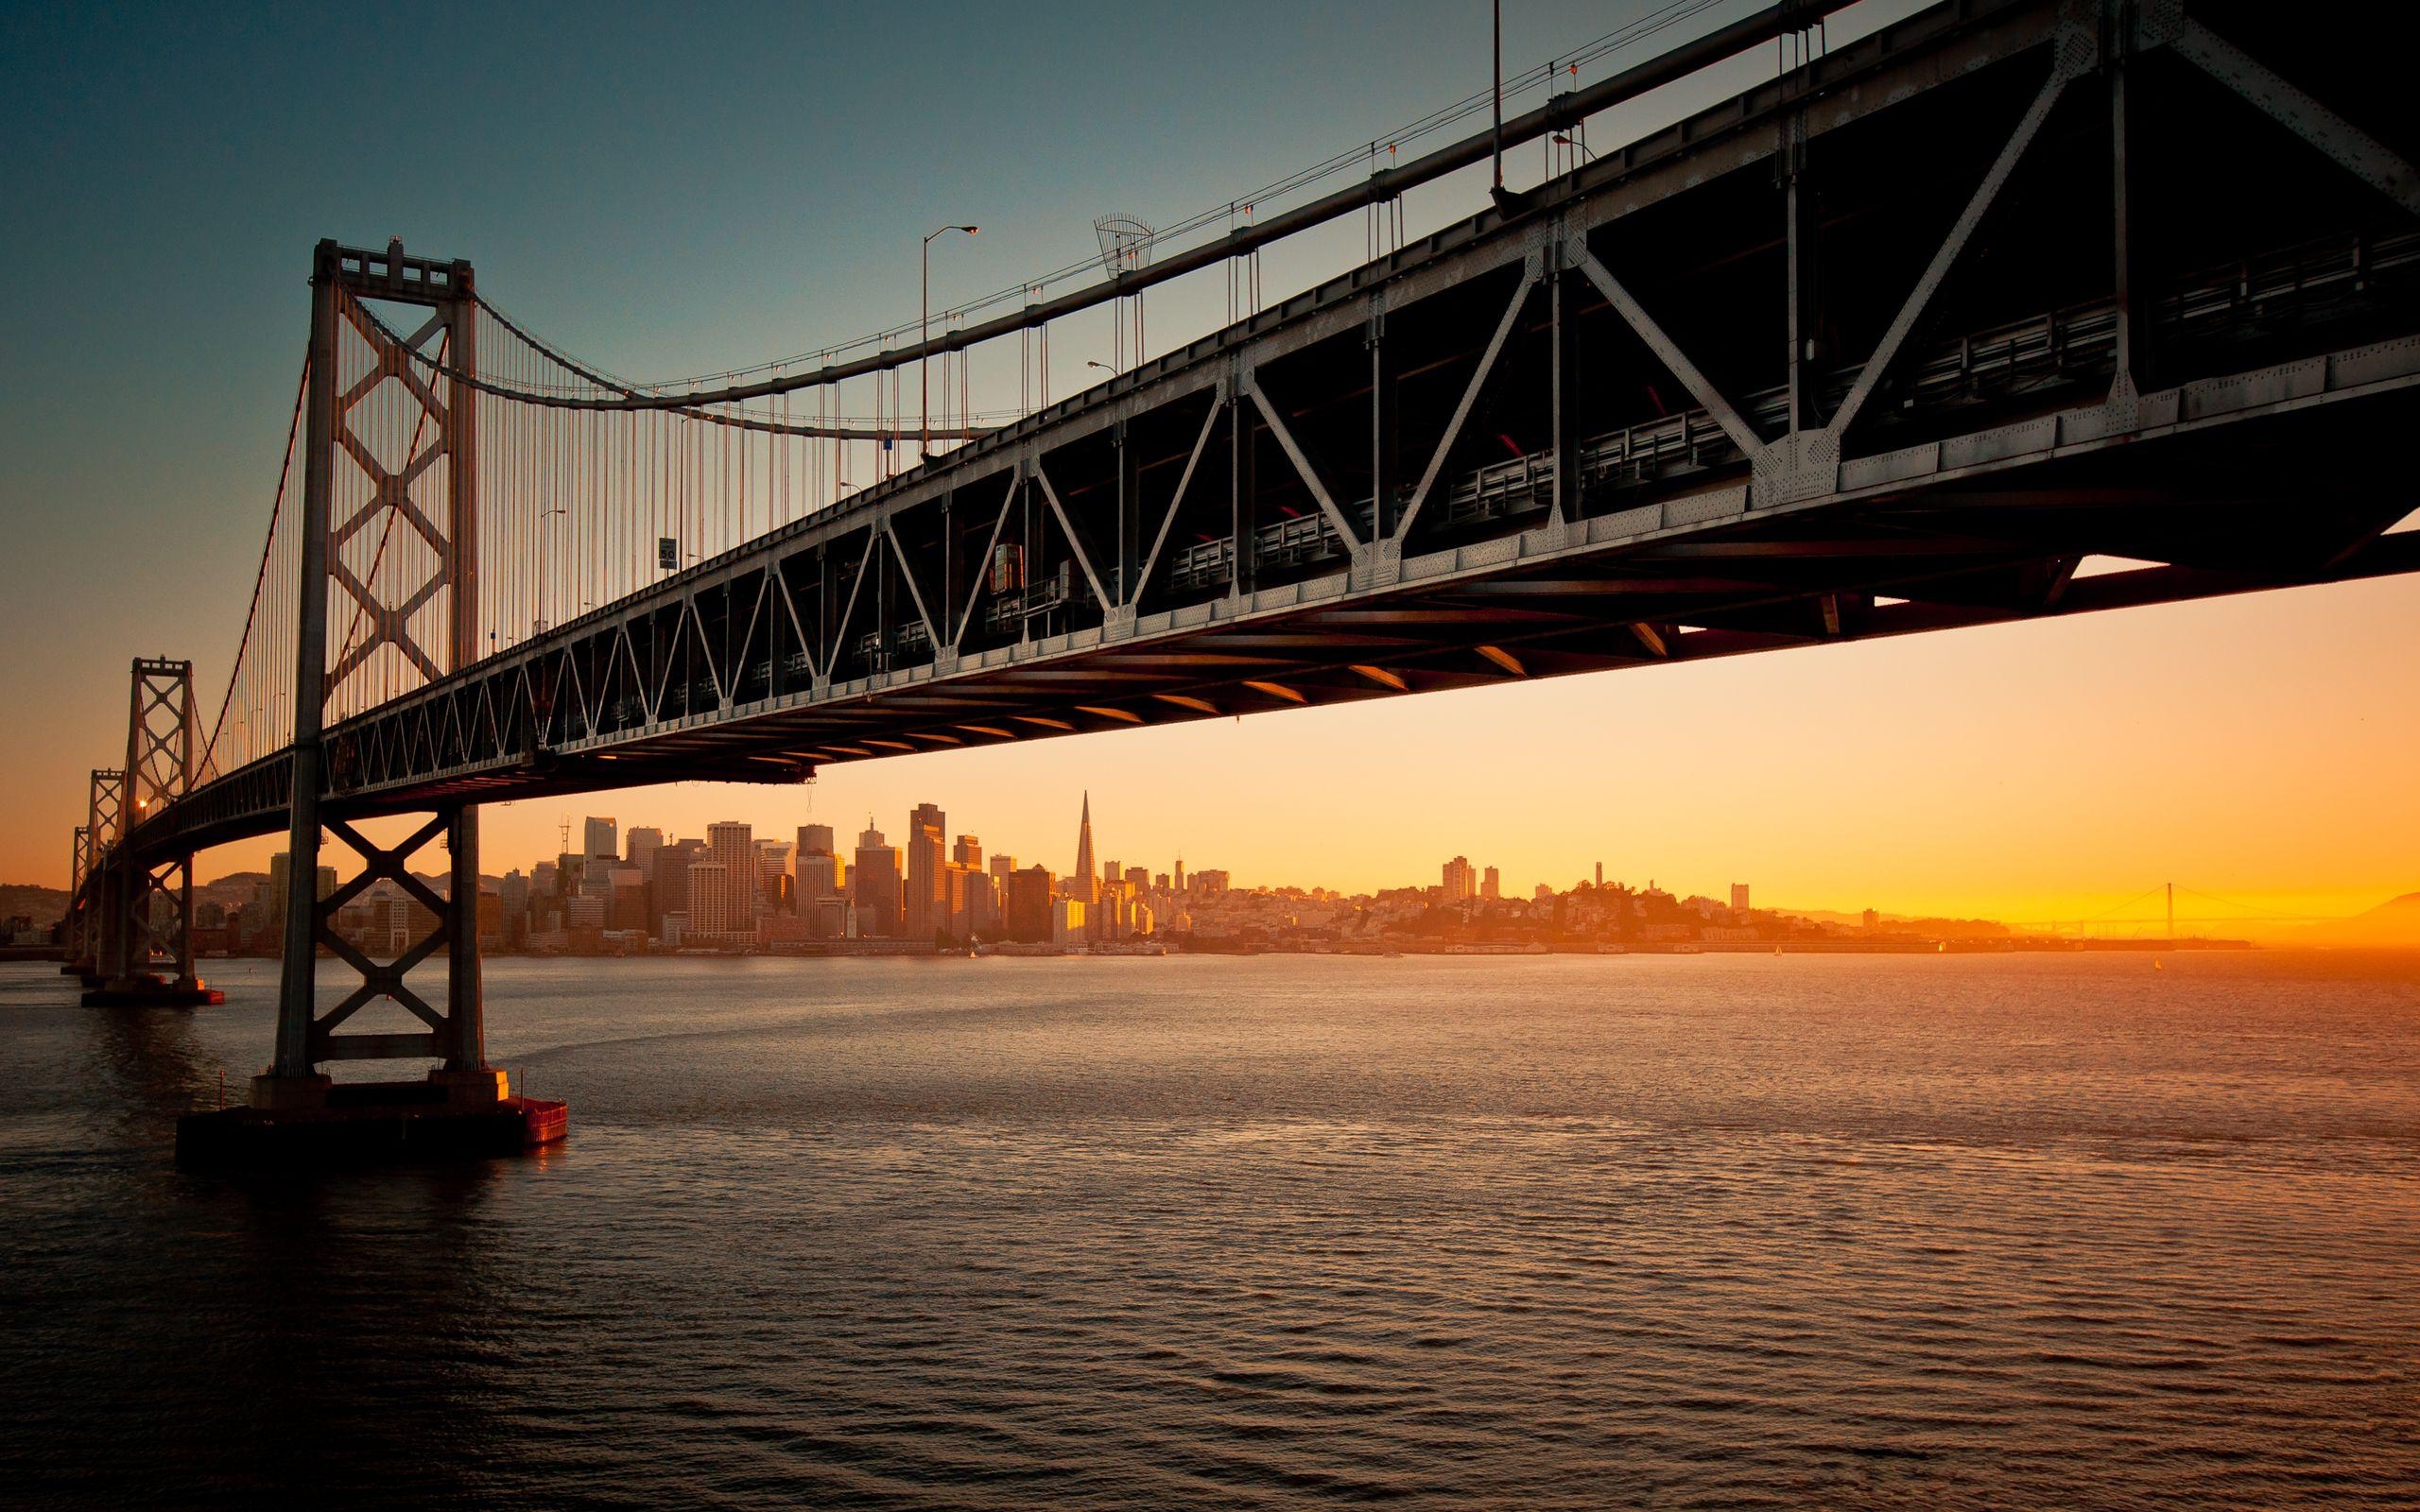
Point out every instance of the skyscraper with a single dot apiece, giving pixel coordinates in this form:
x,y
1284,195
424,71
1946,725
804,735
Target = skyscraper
x,y
1026,904
1459,880
732,846
927,899
712,918
1085,883
644,841
968,851
773,891
874,884
1491,885
601,848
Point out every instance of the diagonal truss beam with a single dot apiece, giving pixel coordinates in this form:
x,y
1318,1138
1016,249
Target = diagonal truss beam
x,y
1532,274
1075,542
975,589
908,575
1692,378
1184,483
2069,61
1302,468
2352,149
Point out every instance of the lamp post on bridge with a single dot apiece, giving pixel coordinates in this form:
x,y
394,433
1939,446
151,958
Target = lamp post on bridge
x,y
924,339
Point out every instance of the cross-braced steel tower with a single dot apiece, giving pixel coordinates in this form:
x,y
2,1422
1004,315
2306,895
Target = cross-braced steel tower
x,y
148,907
431,487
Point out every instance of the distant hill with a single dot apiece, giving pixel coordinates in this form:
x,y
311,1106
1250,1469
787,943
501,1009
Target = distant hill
x,y
2389,923
45,906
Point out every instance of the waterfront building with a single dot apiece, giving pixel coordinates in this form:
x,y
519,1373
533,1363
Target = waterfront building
x,y
983,904
1460,882
1491,885
1067,922
1025,902
1739,897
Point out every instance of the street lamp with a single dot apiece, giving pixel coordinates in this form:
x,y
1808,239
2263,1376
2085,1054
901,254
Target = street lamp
x,y
925,339
1103,366
1565,139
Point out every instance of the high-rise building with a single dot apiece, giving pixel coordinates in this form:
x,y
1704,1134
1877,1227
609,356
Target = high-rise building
x,y
983,904
874,884
1739,897
814,877
1067,922
643,842
1001,864
815,840
968,851
513,898
626,906
773,891
1460,882
1085,883
668,882
928,894
732,846
600,848
711,916
1491,885
1180,874
1138,879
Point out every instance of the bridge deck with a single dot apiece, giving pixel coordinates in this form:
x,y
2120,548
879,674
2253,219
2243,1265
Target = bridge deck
x,y
1843,356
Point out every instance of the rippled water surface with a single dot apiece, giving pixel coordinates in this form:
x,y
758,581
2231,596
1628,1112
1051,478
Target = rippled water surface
x,y
1562,1232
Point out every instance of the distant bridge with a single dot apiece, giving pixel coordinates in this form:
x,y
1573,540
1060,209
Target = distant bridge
x,y
1892,342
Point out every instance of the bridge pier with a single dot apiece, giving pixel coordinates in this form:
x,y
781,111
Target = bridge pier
x,y
300,1114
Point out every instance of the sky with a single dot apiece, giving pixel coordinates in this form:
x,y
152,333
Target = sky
x,y
669,193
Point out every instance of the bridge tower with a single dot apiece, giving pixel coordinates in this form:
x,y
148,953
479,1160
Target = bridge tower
x,y
429,486
147,900
92,939
72,928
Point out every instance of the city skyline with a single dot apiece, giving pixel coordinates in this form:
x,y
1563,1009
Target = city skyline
x,y
823,851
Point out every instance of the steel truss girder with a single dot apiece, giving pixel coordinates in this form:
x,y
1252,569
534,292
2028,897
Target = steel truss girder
x,y
550,704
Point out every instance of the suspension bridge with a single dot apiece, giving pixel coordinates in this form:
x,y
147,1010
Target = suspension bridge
x,y
1924,331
